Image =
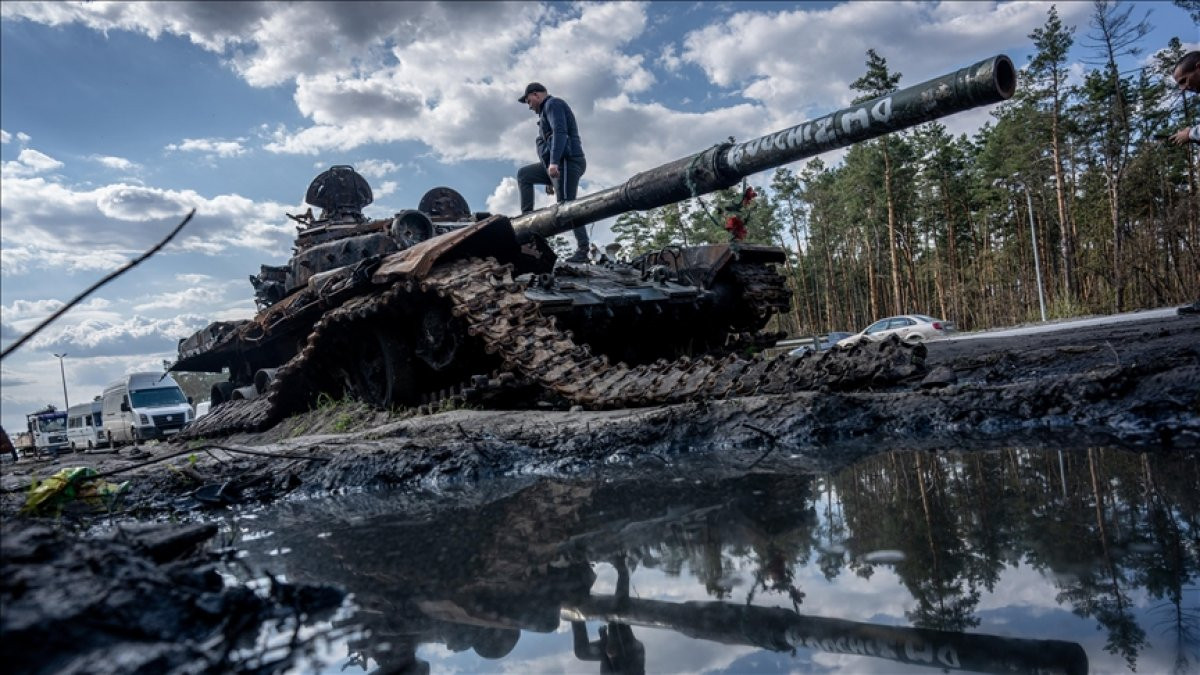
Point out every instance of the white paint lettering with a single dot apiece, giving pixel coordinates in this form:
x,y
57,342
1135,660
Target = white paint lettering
x,y
918,652
794,135
885,650
858,116
882,112
824,130
781,141
949,656
735,156
857,646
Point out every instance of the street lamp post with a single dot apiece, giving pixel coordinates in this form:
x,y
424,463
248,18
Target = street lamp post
x,y
62,371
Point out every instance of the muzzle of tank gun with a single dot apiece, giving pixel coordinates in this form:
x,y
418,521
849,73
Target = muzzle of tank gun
x,y
988,81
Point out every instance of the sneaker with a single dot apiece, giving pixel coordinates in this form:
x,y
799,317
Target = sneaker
x,y
580,256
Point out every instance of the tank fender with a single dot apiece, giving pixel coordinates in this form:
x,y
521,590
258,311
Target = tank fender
x,y
492,237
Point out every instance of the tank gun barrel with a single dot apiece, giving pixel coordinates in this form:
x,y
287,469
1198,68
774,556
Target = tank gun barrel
x,y
988,81
781,630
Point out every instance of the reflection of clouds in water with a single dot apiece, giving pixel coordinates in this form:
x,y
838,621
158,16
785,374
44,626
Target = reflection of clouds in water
x,y
670,652
1022,586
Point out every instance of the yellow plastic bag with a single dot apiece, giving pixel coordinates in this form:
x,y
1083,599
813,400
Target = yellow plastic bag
x,y
69,485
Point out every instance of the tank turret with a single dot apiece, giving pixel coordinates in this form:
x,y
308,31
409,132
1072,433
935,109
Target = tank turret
x,y
441,303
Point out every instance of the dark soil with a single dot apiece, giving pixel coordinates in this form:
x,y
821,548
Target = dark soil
x,y
139,600
1134,385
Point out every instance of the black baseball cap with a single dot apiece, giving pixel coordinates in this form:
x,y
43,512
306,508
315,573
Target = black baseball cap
x,y
529,89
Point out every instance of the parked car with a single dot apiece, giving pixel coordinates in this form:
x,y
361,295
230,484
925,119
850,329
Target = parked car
x,y
908,327
825,343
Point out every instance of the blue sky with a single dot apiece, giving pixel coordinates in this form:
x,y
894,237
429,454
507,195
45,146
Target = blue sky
x,y
117,118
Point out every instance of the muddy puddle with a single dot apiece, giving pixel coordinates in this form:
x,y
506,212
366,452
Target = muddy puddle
x,y
1013,560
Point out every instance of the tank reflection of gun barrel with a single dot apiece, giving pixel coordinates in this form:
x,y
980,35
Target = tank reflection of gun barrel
x,y
781,630
988,81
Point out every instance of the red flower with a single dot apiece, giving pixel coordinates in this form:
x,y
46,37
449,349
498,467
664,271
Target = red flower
x,y
748,196
736,227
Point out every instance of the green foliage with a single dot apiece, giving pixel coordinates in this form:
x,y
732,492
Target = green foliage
x,y
343,422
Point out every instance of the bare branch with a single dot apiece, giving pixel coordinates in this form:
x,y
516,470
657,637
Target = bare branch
x,y
91,289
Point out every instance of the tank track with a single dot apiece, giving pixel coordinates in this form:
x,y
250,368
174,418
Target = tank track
x,y
533,350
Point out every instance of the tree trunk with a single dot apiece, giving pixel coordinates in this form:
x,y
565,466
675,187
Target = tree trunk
x,y
897,303
1066,242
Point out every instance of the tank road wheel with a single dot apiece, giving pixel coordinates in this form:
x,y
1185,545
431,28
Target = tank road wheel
x,y
379,370
220,393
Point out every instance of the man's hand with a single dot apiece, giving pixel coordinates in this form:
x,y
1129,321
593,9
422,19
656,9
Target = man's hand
x,y
553,171
1181,137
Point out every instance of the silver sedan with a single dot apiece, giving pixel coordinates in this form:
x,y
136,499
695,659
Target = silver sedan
x,y
908,327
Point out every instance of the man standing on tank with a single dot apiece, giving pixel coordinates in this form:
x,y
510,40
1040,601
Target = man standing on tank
x,y
1187,78
561,153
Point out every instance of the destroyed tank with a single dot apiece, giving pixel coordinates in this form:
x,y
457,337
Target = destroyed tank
x,y
440,303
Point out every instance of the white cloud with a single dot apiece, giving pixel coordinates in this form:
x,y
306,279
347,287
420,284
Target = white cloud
x,y
51,225
118,163
211,146
386,188
447,75
788,61
212,26
464,107
24,309
5,137
189,298
30,162
130,336
375,168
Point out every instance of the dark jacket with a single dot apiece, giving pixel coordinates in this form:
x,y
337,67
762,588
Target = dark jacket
x,y
558,135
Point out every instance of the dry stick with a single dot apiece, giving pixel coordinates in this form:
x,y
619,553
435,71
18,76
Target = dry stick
x,y
91,289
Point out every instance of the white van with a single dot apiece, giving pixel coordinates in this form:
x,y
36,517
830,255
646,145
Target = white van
x,y
85,426
142,406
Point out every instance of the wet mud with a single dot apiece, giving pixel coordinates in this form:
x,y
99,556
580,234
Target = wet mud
x,y
138,600
1134,385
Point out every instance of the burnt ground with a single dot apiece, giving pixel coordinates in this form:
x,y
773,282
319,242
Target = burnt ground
x,y
1134,385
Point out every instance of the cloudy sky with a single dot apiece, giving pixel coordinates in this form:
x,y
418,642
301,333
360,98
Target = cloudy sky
x,y
117,118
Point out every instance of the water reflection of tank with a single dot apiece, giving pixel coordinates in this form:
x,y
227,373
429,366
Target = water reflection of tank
x,y
440,302
474,578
